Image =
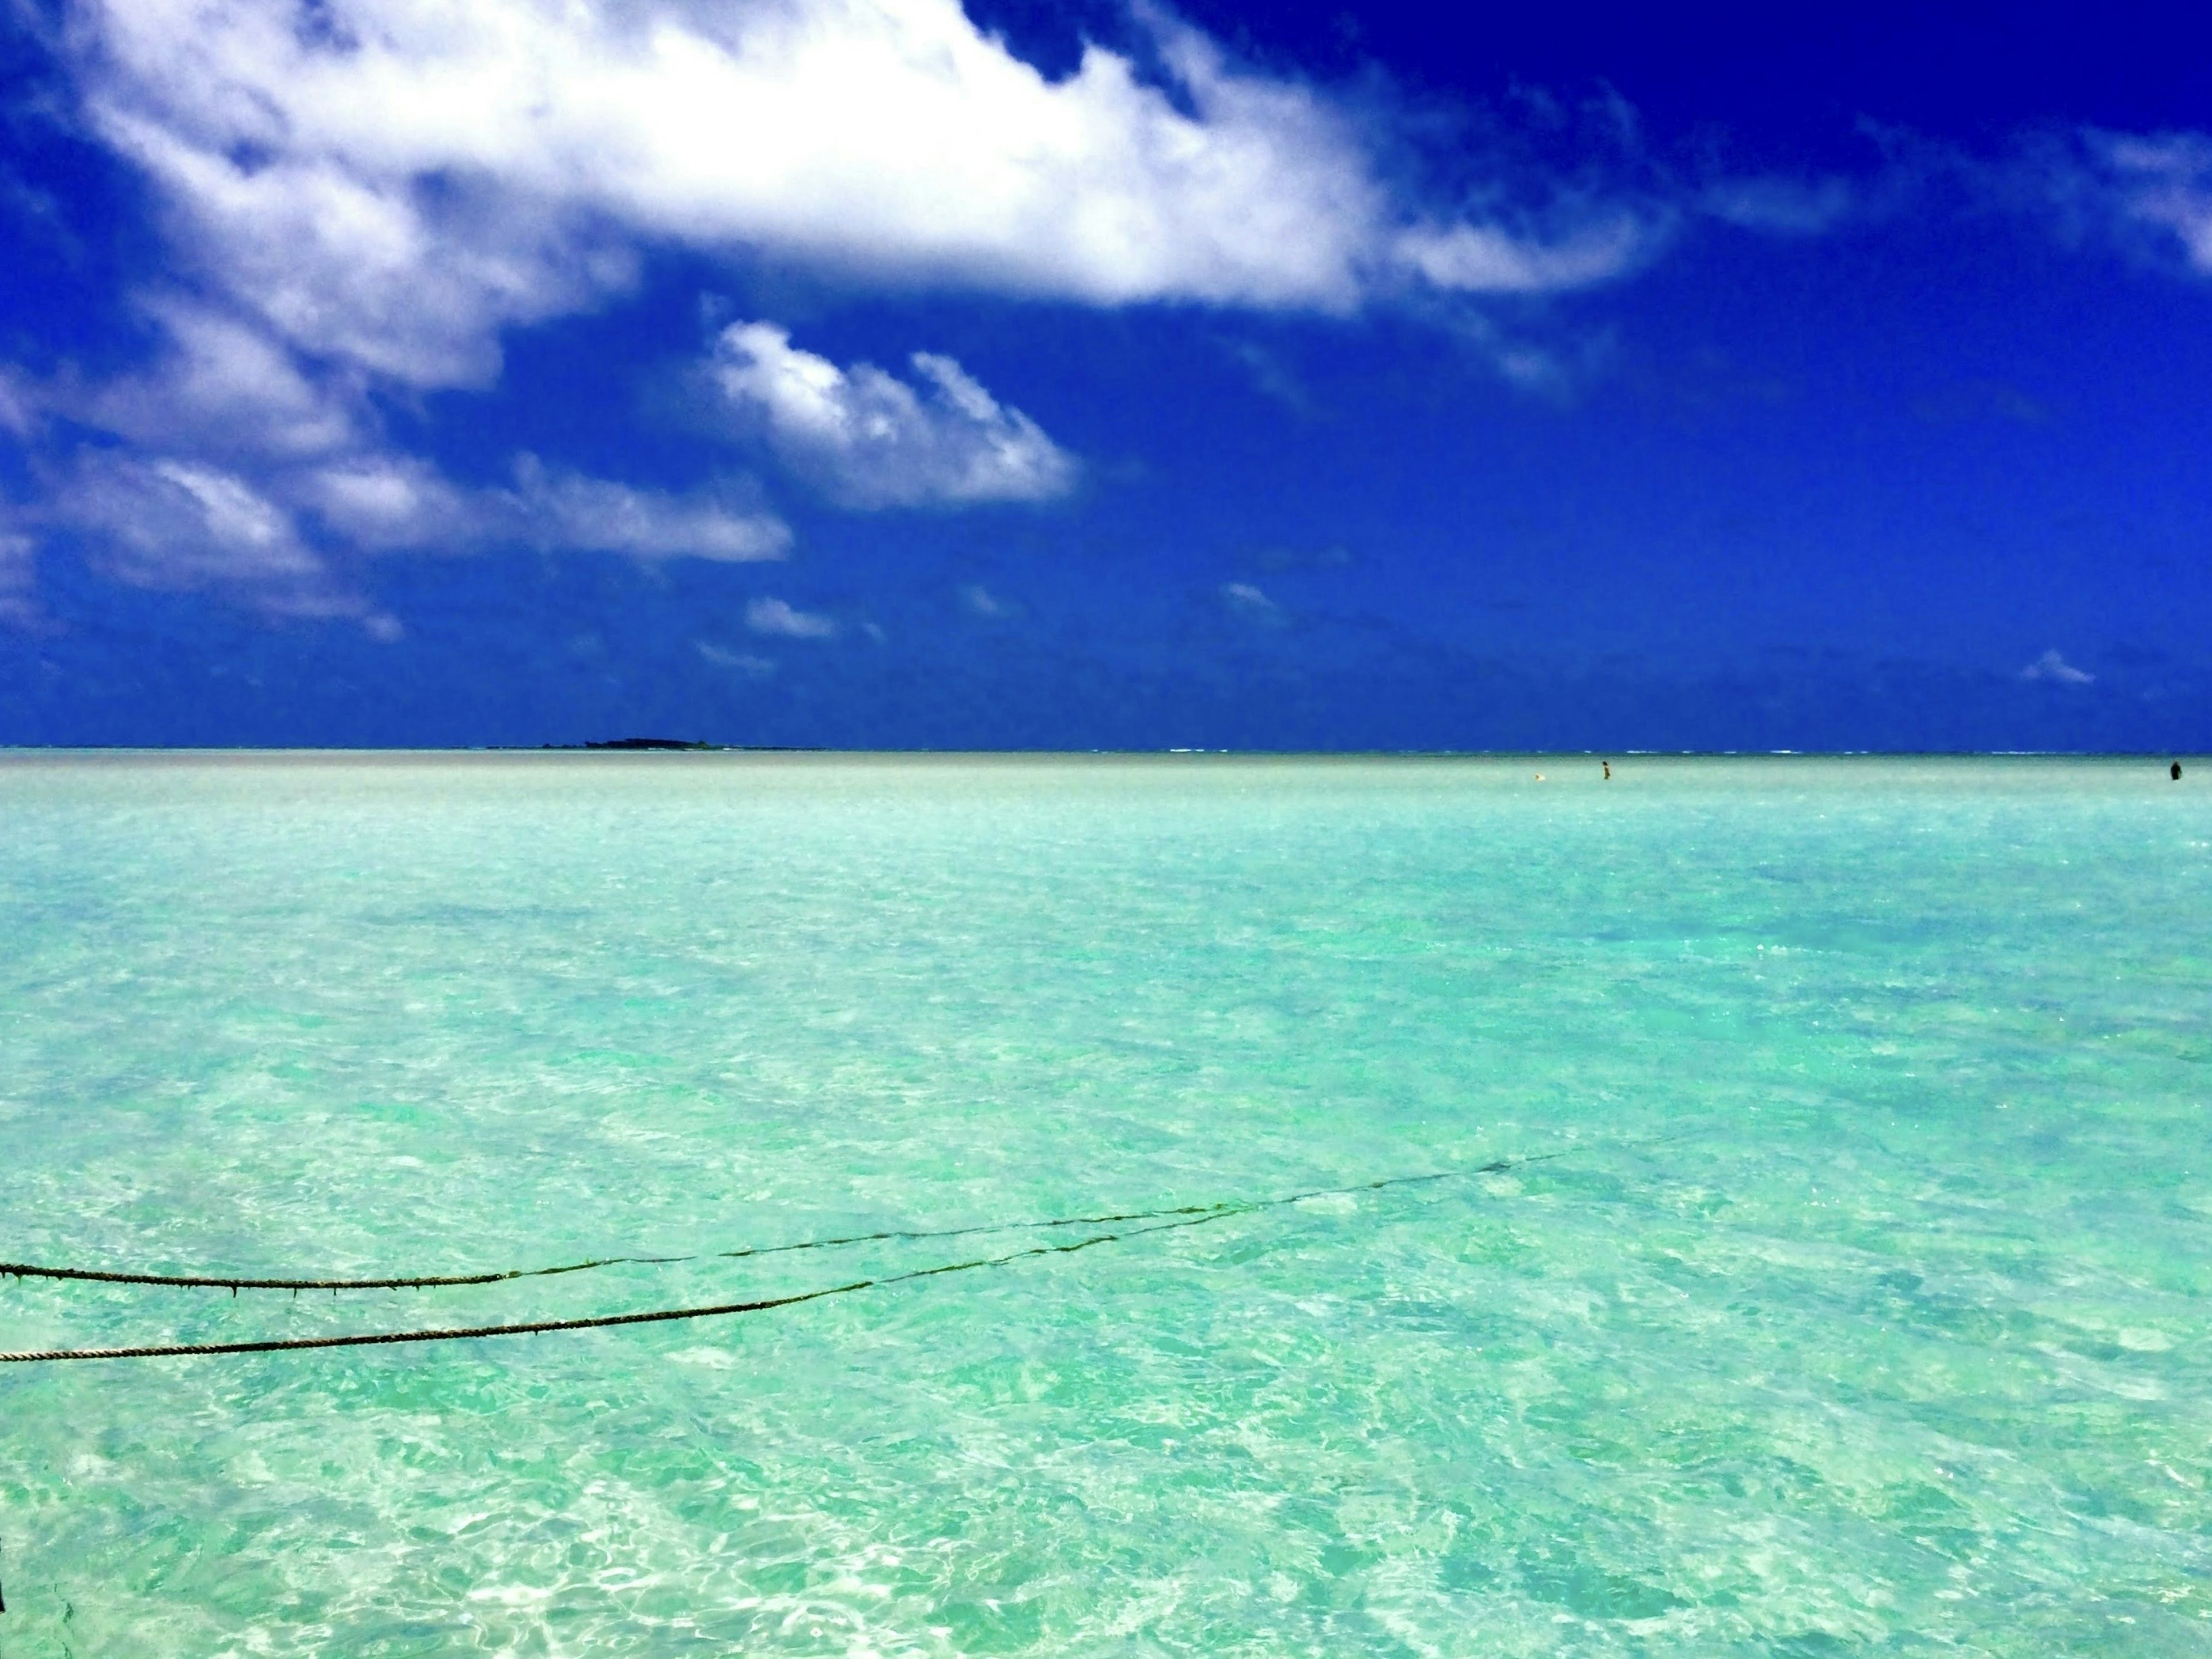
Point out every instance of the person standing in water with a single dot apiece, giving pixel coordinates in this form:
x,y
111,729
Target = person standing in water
x,y
1608,769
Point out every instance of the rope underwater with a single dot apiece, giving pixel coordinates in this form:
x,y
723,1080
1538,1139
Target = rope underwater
x,y
1184,1216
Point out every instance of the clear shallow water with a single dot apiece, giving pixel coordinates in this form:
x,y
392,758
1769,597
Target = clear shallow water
x,y
1900,1345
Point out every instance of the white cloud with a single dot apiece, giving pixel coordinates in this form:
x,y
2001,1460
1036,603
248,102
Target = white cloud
x,y
780,618
361,195
380,502
871,439
562,510
2051,667
392,181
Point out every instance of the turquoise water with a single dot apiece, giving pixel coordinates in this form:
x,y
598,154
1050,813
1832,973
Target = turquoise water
x,y
1865,1311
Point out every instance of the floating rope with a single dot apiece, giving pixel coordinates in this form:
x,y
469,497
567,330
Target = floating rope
x,y
1178,1217
181,1350
195,1281
1181,1217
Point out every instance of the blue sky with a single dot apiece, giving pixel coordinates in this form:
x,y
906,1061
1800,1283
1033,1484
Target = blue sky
x,y
877,372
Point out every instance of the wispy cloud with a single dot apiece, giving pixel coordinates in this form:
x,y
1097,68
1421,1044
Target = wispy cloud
x,y
2150,191
225,381
291,541
182,525
2166,183
1273,377
2053,667
871,439
19,413
743,662
779,618
1779,204
1488,259
1246,601
565,511
2145,196
19,603
979,600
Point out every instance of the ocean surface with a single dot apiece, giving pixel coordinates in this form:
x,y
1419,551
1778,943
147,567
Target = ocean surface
x,y
1851,1292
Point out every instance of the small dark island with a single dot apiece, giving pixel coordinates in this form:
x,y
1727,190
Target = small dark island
x,y
636,743
679,746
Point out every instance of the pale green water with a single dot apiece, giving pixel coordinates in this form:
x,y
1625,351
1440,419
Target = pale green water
x,y
1904,1350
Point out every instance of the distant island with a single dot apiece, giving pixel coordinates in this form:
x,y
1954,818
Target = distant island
x,y
635,742
684,744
